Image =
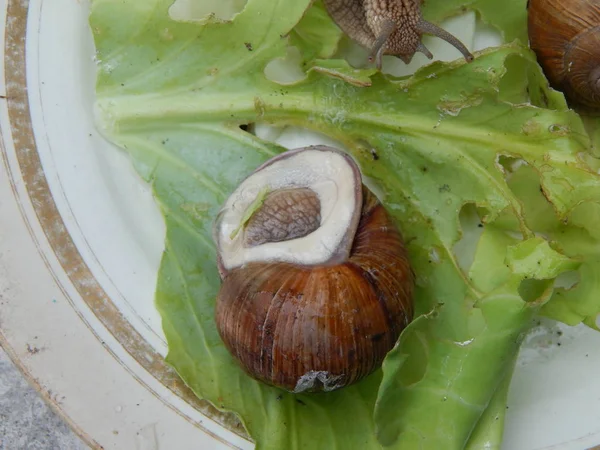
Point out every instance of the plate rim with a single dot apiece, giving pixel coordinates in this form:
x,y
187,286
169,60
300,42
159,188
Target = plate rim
x,y
65,250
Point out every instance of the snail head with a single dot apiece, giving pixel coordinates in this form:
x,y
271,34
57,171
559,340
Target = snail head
x,y
398,27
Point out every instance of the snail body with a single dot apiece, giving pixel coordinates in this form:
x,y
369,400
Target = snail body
x,y
565,36
388,27
309,318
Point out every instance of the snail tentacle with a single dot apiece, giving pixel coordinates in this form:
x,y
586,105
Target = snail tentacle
x,y
421,48
430,28
387,28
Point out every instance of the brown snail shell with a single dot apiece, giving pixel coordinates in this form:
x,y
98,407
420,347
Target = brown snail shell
x,y
565,36
320,327
388,27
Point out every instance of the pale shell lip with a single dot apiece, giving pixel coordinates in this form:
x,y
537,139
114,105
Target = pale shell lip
x,y
332,174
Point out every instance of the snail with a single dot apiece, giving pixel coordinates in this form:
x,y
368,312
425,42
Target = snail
x,y
565,36
390,27
316,282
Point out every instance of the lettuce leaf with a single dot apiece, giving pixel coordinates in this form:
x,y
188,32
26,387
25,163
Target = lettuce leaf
x,y
482,165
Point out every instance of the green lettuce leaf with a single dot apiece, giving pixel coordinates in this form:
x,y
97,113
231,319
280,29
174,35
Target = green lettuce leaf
x,y
455,144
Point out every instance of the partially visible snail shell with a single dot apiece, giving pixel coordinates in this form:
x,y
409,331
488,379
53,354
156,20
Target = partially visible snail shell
x,y
565,35
325,317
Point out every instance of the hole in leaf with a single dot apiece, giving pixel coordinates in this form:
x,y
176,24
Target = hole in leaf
x,y
268,132
248,128
471,228
559,129
508,165
567,280
356,55
294,137
194,10
486,36
286,70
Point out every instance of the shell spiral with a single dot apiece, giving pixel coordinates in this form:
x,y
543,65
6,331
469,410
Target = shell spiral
x,y
565,35
319,328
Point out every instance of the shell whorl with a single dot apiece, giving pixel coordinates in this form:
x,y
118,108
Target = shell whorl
x,y
319,328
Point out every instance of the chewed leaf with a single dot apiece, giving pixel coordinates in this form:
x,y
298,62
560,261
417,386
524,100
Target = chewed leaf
x,y
460,378
173,94
446,354
579,303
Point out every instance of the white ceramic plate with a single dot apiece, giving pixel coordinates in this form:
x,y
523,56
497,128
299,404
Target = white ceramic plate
x,y
80,243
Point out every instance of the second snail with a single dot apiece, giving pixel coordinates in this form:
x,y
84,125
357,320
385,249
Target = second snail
x,y
565,35
389,27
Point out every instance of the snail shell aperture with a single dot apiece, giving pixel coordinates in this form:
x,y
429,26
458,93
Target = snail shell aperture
x,y
565,35
317,285
390,27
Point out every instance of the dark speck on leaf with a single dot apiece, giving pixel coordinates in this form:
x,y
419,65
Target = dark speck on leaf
x,y
444,188
279,397
374,155
480,225
301,402
424,169
248,46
